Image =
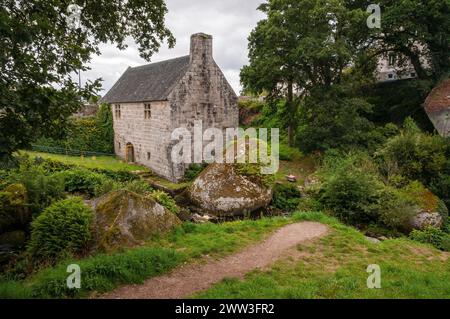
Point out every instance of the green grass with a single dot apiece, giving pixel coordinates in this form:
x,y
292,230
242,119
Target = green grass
x,y
95,162
103,273
335,267
331,267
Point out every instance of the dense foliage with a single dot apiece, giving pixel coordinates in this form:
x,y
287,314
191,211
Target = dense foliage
x,y
42,48
93,134
61,230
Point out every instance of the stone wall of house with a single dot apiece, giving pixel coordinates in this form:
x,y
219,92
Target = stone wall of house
x,y
149,137
202,94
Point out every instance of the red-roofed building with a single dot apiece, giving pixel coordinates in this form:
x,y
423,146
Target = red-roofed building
x,y
437,106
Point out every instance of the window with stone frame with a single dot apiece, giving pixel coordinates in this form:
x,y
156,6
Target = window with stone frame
x,y
147,111
117,111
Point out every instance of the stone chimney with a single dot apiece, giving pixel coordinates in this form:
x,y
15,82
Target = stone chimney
x,y
201,47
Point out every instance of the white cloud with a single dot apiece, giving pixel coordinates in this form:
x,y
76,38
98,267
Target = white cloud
x,y
229,21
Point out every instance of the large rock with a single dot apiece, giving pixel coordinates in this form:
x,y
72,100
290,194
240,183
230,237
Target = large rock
x,y
426,219
222,190
125,219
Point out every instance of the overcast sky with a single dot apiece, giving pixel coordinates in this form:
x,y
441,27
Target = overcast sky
x,y
228,21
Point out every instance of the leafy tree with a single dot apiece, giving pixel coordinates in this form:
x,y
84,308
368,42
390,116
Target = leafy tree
x,y
300,45
40,51
105,122
332,118
417,31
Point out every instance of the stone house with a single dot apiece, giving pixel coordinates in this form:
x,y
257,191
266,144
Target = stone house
x,y
149,102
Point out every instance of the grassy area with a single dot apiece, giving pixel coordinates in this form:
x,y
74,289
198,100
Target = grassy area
x,y
167,185
335,267
102,162
301,168
103,273
331,267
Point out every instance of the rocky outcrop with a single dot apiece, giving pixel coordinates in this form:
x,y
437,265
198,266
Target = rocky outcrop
x,y
125,219
221,189
426,219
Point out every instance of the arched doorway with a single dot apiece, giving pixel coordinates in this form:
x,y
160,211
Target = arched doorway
x,y
129,155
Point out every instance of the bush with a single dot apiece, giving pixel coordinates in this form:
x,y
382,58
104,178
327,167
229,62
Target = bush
x,y
414,155
330,119
396,208
165,200
85,182
289,153
286,197
352,195
41,189
193,171
139,186
62,229
93,134
433,236
14,212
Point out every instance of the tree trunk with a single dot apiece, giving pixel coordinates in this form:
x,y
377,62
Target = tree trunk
x,y
290,109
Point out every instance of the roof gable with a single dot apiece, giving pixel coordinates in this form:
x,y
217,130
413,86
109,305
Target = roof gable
x,y
439,98
151,82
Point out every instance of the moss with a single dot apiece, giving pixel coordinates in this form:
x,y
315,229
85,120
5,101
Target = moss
x,y
126,219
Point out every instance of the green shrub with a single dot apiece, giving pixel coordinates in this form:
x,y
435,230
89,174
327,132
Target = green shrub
x,y
352,195
86,182
414,155
42,190
14,212
139,186
118,176
286,197
440,186
289,153
193,171
165,200
61,230
330,119
433,236
93,134
396,208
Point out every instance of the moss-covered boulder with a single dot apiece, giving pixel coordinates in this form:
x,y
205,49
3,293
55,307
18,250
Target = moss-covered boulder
x,y
126,219
229,190
14,213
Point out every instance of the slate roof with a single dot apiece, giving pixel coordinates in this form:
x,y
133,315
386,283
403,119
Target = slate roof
x,y
151,82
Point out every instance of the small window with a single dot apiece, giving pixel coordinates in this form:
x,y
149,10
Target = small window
x,y
147,111
392,59
148,156
413,75
120,146
391,76
117,111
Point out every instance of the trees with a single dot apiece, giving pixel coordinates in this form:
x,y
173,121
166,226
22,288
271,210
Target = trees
x,y
40,52
301,45
418,30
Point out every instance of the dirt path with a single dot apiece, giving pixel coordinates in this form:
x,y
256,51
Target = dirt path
x,y
189,279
